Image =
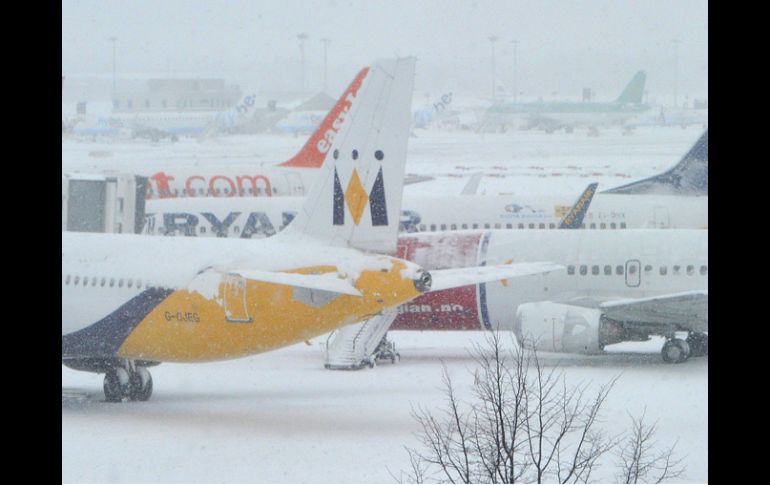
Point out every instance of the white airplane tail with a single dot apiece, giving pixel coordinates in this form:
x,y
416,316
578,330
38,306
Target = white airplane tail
x,y
317,146
356,199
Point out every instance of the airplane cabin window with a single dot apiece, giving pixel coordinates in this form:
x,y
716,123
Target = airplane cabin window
x,y
67,279
531,226
93,281
647,268
77,280
593,225
613,225
443,227
475,226
521,226
432,227
465,226
138,283
607,269
632,269
583,269
552,226
622,225
571,269
619,270
112,282
603,225
130,283
498,226
676,269
120,283
541,226
595,269
423,227
486,226
690,270
704,270
509,226
453,227
663,270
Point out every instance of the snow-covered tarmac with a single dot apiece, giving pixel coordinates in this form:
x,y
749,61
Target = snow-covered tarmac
x,y
280,417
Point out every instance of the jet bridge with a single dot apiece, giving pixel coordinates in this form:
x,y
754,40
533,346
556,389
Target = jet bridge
x,y
103,202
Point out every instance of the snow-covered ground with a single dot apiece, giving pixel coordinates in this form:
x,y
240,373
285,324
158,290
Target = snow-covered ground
x,y
281,417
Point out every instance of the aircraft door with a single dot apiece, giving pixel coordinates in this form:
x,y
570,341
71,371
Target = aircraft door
x,y
633,273
236,309
660,217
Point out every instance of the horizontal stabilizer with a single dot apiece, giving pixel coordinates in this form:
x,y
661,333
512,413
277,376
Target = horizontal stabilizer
x,y
324,282
443,279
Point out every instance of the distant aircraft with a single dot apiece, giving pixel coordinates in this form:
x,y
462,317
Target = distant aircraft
x,y
677,198
156,126
131,301
554,115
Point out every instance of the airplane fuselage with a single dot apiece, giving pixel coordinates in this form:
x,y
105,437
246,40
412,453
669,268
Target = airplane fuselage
x,y
186,300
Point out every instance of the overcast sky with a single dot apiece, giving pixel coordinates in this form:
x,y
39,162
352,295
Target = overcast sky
x,y
562,45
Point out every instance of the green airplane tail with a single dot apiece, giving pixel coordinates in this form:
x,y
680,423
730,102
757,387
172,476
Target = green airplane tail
x,y
634,89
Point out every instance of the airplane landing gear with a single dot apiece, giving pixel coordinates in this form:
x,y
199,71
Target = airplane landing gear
x,y
699,343
675,351
127,381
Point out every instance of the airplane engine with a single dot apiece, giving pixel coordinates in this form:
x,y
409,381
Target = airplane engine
x,y
554,327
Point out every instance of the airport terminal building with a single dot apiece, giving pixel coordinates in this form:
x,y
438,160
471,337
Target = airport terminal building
x,y
178,95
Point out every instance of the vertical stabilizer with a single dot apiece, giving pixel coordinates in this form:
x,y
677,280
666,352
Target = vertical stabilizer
x,y
689,177
317,146
356,199
634,90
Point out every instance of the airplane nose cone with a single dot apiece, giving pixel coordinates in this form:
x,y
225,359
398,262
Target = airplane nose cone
x,y
423,282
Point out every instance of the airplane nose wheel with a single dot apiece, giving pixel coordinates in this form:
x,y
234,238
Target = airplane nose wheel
x,y
675,351
134,383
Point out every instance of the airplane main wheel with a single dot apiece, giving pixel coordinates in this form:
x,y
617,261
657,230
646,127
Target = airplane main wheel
x,y
675,351
140,385
116,384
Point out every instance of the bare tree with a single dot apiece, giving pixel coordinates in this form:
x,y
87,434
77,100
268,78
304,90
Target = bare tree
x,y
640,462
525,424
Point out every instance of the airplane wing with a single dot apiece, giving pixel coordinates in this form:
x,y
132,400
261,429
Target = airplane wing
x,y
325,282
686,310
443,279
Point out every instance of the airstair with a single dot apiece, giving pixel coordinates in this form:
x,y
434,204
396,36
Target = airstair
x,y
361,344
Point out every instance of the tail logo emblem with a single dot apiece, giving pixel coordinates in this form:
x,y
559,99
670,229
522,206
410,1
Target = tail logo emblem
x,y
356,198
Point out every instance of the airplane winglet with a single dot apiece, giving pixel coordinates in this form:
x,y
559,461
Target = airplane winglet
x,y
573,219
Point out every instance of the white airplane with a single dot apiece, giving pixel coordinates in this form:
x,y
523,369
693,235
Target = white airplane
x,y
677,198
158,125
291,177
130,301
619,286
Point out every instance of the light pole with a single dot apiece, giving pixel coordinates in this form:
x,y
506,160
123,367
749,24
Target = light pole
x,y
302,38
676,69
114,40
326,48
515,71
493,39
